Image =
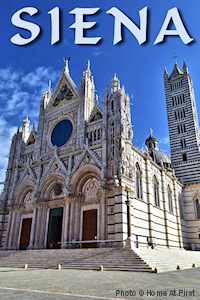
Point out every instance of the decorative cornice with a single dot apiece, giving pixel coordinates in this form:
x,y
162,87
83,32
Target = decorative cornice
x,y
90,202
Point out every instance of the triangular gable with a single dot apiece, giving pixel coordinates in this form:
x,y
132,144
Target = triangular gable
x,y
96,114
64,95
31,139
84,154
64,91
28,174
60,167
176,71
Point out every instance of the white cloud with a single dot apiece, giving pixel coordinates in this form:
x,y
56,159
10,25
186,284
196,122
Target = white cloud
x,y
20,95
20,91
18,99
39,77
66,42
97,52
5,142
164,140
9,78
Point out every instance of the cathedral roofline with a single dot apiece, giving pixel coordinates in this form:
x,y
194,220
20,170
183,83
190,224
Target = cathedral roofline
x,y
176,71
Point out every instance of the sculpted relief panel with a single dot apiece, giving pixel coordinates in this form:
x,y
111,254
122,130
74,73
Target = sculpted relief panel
x,y
90,189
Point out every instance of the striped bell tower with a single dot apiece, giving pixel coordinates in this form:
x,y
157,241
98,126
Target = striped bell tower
x,y
183,125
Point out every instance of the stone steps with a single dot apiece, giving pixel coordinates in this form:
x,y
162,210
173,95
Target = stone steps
x,y
168,259
84,259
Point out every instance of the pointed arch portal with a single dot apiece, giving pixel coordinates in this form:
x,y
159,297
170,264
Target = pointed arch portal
x,y
89,227
55,228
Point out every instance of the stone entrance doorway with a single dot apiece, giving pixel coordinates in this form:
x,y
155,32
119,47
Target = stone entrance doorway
x,y
25,233
55,228
89,228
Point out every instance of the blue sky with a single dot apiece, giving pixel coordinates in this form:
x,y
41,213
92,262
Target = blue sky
x,y
26,70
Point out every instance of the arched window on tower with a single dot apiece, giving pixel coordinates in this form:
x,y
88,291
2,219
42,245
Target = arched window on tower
x,y
169,193
156,191
138,182
197,208
183,143
184,157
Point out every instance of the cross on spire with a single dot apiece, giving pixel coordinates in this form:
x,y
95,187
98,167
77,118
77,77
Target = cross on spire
x,y
175,56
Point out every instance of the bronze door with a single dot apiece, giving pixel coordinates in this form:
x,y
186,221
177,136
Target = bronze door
x,y
55,228
25,233
89,227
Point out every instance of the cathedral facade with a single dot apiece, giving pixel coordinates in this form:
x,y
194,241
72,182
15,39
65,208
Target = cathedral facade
x,y
80,182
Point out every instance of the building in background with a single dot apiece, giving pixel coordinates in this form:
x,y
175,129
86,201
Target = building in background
x,y
185,148
79,181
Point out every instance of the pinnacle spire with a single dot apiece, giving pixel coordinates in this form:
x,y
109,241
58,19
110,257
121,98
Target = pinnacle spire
x,y
106,90
97,99
88,71
49,86
88,65
33,127
25,129
26,120
165,72
49,89
115,84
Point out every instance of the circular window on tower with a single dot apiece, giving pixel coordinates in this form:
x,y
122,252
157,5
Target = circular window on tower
x,y
61,133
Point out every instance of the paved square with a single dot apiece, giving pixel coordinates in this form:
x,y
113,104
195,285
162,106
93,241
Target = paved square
x,y
78,284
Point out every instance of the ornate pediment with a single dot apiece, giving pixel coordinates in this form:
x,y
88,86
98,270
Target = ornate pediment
x,y
96,114
64,95
55,166
64,92
31,139
28,174
88,157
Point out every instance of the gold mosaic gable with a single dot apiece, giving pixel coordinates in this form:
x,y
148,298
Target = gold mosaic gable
x,y
96,115
31,140
65,94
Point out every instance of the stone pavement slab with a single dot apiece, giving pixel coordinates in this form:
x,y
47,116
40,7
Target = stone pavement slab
x,y
79,284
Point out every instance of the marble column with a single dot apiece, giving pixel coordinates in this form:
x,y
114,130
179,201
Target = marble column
x,y
164,208
8,230
177,215
103,216
128,204
16,230
33,227
149,200
12,229
65,229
